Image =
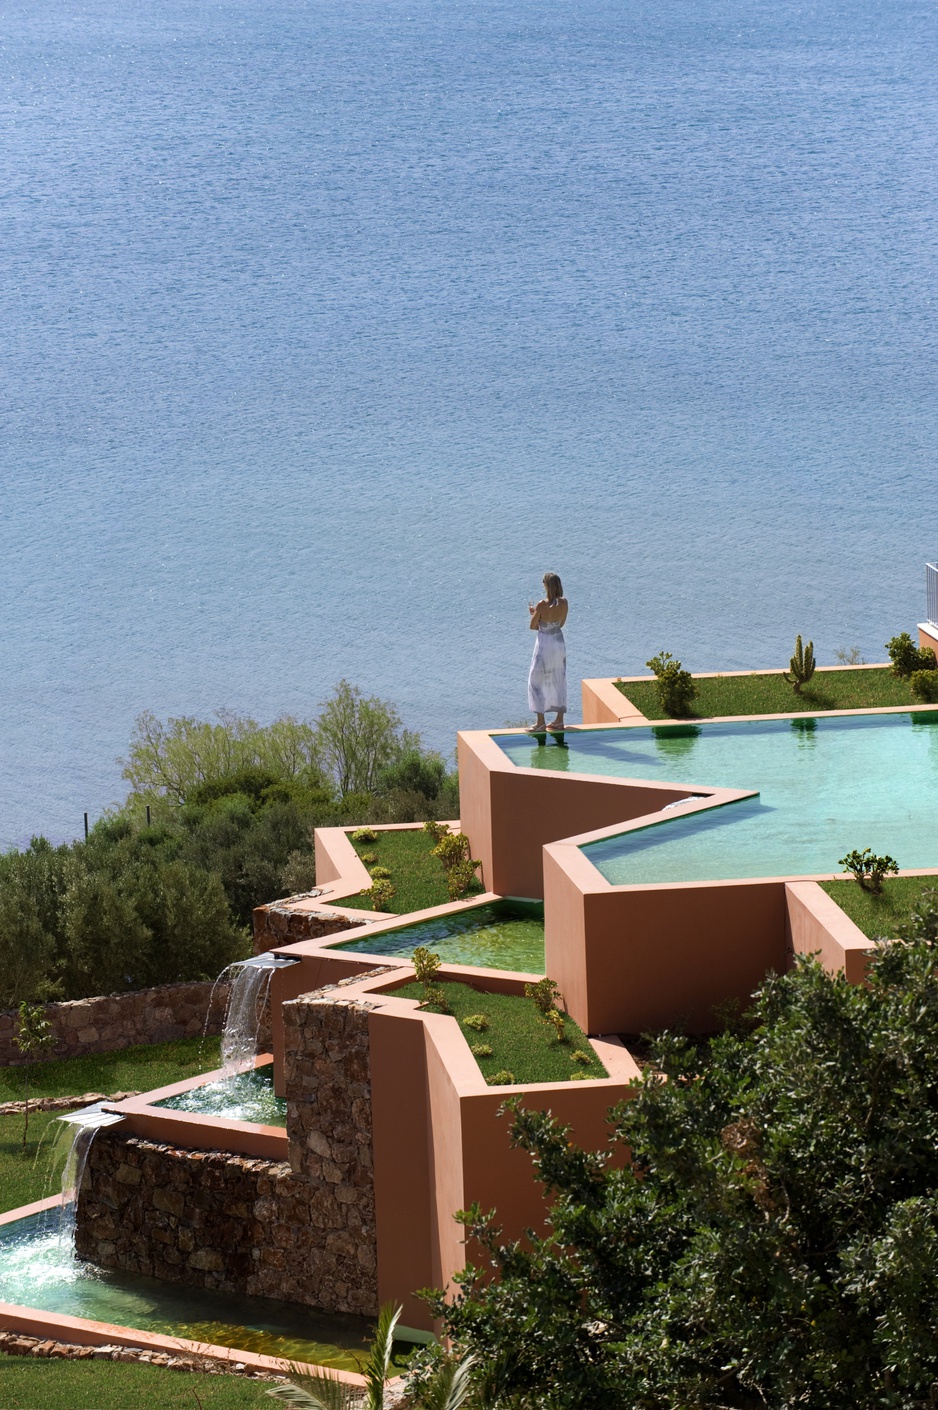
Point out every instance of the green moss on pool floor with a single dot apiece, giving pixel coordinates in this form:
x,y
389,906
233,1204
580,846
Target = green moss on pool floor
x,y
879,915
772,695
522,1041
506,934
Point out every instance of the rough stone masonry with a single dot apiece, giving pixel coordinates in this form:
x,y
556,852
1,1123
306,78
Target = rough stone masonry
x,y
301,1230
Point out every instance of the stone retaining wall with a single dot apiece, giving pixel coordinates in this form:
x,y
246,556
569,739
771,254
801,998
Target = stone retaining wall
x,y
113,1021
303,1231
279,924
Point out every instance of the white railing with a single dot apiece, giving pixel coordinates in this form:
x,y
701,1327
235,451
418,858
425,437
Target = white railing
x,y
931,593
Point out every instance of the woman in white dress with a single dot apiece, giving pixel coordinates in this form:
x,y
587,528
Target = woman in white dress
x,y
547,679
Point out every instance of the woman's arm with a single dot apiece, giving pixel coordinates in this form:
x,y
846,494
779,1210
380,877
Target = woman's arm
x,y
535,612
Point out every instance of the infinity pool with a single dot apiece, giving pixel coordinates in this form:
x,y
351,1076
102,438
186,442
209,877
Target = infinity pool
x,y
505,934
38,1268
826,786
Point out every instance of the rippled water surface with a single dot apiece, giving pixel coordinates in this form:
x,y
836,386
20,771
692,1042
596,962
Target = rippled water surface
x,y
329,326
825,787
246,1096
39,1269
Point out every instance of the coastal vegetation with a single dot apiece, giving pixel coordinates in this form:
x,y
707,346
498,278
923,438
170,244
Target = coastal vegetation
x,y
769,693
761,1230
513,1040
219,820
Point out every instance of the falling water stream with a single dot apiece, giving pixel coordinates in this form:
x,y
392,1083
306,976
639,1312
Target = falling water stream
x,y
39,1269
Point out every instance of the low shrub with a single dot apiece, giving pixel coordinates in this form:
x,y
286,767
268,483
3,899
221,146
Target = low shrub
x,y
476,1021
869,869
364,834
481,1050
545,995
502,1079
676,688
380,874
924,686
461,878
907,658
381,895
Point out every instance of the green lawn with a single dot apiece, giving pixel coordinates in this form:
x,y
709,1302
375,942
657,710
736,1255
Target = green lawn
x,y
772,695
23,1177
28,1384
417,876
522,1041
879,915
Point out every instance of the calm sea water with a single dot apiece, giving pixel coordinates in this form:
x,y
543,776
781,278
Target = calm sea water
x,y
330,325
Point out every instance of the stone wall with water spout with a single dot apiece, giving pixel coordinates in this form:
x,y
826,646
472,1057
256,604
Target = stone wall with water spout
x,y
302,1230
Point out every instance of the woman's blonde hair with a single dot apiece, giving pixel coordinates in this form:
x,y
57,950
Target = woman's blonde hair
x,y
553,587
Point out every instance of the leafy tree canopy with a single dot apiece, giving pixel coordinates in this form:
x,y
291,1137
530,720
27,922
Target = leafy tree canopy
x,y
774,1240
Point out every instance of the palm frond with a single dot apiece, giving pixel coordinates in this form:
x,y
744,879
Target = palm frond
x,y
450,1388
379,1359
321,1392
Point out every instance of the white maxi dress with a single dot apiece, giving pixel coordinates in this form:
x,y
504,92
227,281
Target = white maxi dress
x,y
547,678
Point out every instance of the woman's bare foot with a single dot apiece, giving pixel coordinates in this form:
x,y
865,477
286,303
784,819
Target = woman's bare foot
x,y
538,727
557,723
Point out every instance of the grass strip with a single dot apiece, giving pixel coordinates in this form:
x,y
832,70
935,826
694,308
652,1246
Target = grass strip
x,y
32,1384
522,1041
772,695
418,877
879,915
23,1177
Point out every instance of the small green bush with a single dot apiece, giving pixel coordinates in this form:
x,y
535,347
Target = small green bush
x,y
502,1079
476,1021
434,996
583,1058
380,895
545,995
907,658
924,686
426,964
380,874
869,869
676,688
436,830
452,849
481,1050
461,877
364,834
555,1017
368,858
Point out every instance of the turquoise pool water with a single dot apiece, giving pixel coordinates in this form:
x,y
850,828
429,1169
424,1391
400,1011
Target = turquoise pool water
x,y
502,935
38,1268
247,1096
825,786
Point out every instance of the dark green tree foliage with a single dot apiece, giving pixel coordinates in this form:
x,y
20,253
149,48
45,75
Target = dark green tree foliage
x,y
233,806
774,1243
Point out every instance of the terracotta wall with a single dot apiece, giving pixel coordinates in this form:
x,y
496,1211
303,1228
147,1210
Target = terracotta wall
x,y
113,1021
509,814
817,926
634,959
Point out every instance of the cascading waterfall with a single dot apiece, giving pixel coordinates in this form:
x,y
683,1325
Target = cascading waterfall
x,y
79,1129
247,1003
